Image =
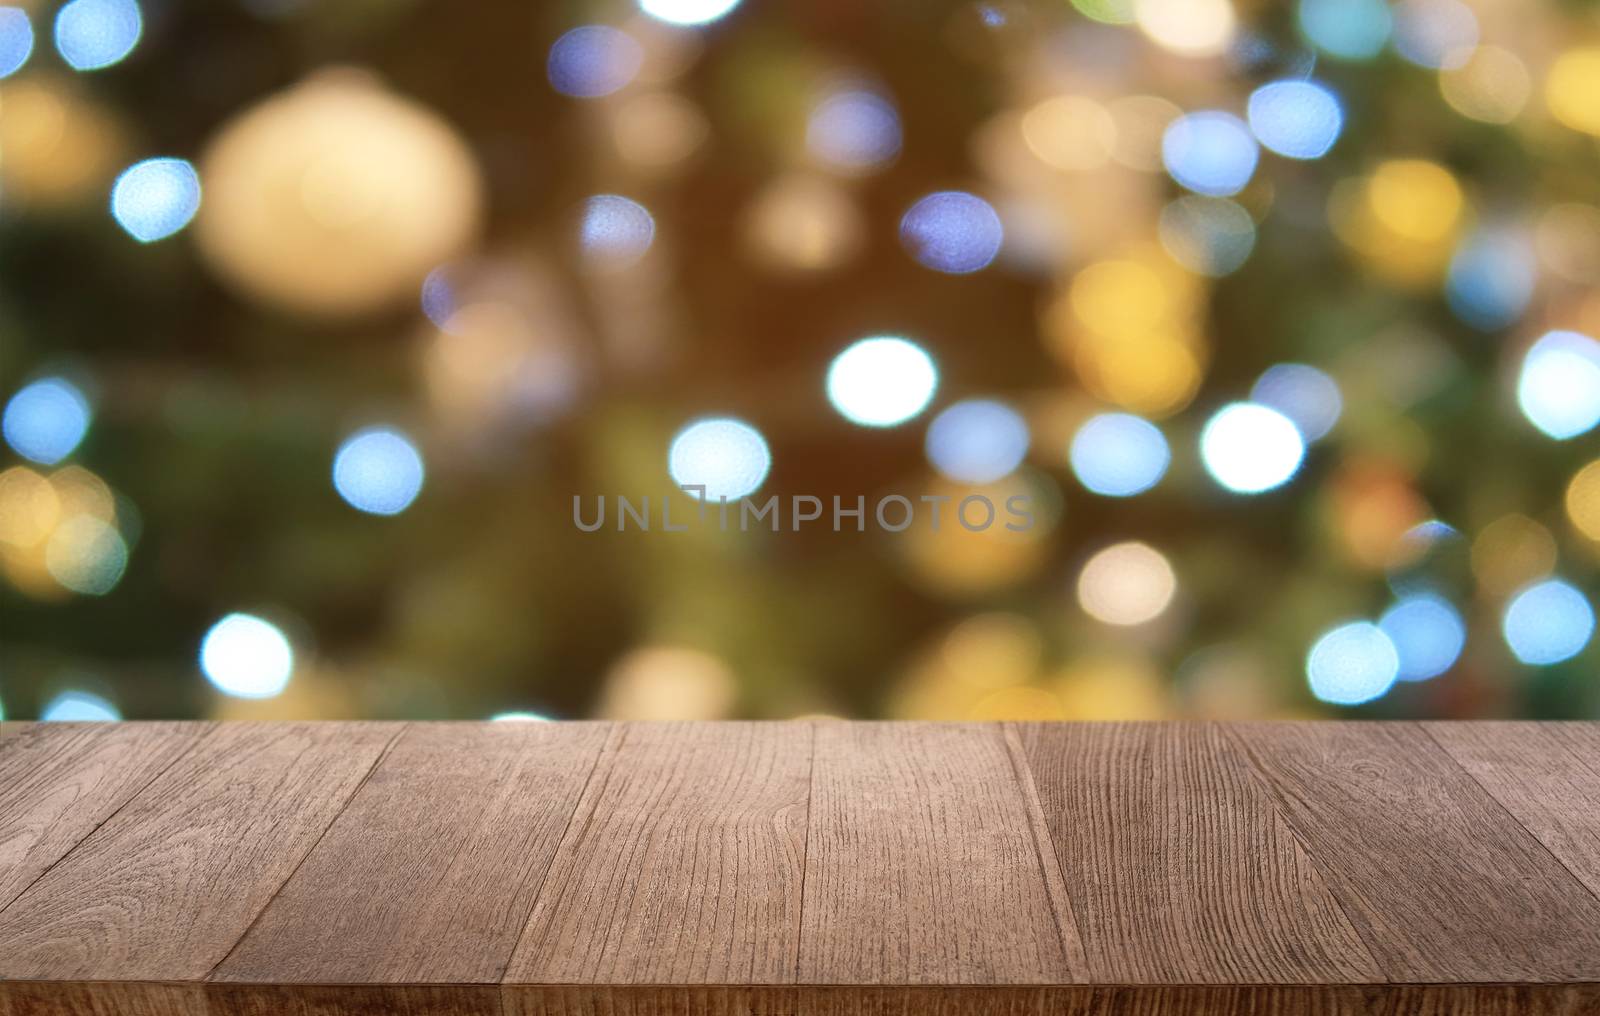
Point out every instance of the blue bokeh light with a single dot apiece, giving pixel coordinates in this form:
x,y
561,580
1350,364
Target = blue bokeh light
x,y
1491,279
1210,152
378,470
854,130
155,198
1348,29
1548,622
1559,386
79,707
1304,394
592,61
91,34
1351,664
16,40
439,300
1428,634
1119,454
952,231
977,441
726,456
1297,119
1211,236
46,419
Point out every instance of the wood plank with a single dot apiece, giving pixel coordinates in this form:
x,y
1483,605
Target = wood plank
x,y
352,1000
683,864
1178,867
1060,1000
163,889
62,780
1547,775
13,728
1441,882
923,866
43,998
430,874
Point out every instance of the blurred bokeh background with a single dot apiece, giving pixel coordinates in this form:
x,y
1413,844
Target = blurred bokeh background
x,y
315,316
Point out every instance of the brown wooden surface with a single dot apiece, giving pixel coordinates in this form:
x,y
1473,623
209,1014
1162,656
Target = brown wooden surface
x,y
922,866
674,812
1202,881
819,868
1441,881
396,893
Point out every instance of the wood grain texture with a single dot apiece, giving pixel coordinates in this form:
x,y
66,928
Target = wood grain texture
x,y
165,888
1178,866
12,728
1439,879
60,782
801,869
1060,1000
683,863
1547,775
922,866
429,874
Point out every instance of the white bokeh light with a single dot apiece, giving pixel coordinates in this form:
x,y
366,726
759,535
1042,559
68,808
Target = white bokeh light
x,y
247,657
727,457
687,12
1249,448
881,381
1559,387
1126,584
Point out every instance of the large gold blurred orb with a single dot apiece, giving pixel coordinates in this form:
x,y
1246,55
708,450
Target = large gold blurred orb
x,y
335,197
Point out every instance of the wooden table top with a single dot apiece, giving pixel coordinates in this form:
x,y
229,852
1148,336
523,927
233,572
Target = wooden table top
x,y
799,868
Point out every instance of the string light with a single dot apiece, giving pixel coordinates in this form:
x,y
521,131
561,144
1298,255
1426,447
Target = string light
x,y
46,420
726,457
378,470
881,381
1249,448
247,657
93,34
16,40
155,198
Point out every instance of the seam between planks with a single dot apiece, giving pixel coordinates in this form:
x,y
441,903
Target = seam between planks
x,y
805,855
343,806
618,734
1490,794
1241,751
211,731
1044,849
